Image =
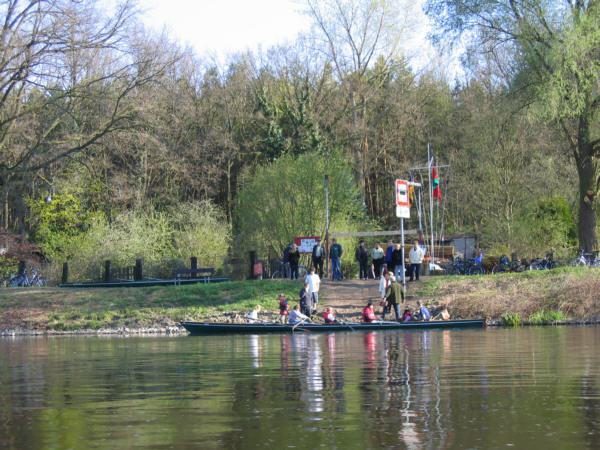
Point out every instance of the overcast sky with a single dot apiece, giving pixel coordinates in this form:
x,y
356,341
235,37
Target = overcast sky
x,y
216,28
226,26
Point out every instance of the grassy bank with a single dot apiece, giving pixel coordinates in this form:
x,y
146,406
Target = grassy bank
x,y
64,309
536,297
543,296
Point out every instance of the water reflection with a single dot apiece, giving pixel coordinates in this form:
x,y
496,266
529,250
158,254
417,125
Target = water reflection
x,y
347,390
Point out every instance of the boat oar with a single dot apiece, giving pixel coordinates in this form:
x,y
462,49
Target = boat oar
x,y
299,323
348,325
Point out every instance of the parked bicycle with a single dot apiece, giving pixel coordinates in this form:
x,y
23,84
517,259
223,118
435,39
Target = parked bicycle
x,y
455,267
543,264
504,265
280,270
22,280
475,268
585,259
459,267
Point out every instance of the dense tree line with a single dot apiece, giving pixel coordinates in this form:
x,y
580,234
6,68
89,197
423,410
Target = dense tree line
x,y
115,120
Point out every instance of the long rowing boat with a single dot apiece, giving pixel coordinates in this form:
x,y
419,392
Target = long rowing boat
x,y
204,328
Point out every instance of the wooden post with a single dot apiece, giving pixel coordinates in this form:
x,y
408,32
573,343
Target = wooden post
x,y
252,262
193,265
138,273
65,273
107,271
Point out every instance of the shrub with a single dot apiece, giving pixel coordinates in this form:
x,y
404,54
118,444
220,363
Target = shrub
x,y
510,319
189,229
543,317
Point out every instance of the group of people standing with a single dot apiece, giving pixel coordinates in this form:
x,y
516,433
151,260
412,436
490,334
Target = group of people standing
x,y
390,259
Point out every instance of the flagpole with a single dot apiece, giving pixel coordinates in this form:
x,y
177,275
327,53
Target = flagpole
x,y
327,224
430,163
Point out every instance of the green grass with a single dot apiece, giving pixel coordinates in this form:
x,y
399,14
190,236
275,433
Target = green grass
x,y
70,309
510,319
544,317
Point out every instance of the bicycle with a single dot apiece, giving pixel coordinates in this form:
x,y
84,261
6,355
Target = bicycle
x,y
505,266
456,267
22,280
585,259
475,268
280,271
544,264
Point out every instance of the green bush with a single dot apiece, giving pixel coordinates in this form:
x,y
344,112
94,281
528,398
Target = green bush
x,y
510,319
8,266
188,229
544,317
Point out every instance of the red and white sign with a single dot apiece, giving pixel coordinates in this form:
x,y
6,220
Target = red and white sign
x,y
305,244
402,193
402,199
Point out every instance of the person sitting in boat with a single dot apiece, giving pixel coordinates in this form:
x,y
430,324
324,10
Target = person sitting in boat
x,y
423,312
368,315
443,314
253,316
284,308
297,317
306,300
329,316
407,316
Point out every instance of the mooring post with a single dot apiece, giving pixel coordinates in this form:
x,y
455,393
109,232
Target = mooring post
x,y
138,274
65,273
252,262
107,271
193,265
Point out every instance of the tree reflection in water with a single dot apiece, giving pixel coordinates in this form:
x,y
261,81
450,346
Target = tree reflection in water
x,y
409,389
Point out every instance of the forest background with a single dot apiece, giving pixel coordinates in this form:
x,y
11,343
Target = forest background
x,y
116,143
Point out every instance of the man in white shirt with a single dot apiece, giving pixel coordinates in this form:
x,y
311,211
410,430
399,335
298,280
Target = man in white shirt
x,y
314,282
253,315
296,316
415,257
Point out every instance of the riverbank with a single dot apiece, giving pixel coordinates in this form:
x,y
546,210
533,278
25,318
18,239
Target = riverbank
x,y
565,295
145,310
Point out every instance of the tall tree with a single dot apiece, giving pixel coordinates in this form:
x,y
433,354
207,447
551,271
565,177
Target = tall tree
x,y
66,72
353,35
550,50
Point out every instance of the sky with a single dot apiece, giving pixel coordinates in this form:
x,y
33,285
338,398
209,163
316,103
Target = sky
x,y
217,28
221,27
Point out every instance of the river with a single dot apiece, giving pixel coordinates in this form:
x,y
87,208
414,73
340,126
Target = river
x,y
495,388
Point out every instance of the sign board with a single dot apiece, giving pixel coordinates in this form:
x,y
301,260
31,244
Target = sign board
x,y
402,193
402,199
403,212
305,244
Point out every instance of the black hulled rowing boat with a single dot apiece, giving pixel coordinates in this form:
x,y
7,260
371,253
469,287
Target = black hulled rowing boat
x,y
204,328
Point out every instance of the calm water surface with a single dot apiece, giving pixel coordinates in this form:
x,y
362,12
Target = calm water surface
x,y
497,388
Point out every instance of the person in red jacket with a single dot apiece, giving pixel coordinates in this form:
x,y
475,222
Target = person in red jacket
x,y
329,316
368,314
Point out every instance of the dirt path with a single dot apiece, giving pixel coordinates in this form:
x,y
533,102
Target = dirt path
x,y
349,297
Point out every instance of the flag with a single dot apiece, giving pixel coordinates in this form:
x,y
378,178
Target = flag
x,y
436,185
411,194
326,180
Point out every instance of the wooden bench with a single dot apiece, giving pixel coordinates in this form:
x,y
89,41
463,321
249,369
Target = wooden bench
x,y
206,272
